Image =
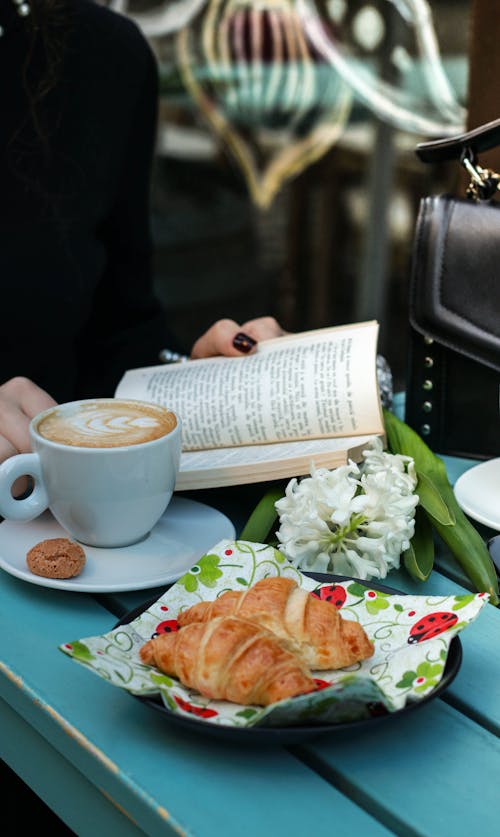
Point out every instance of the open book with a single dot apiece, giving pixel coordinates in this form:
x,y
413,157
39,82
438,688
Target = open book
x,y
302,398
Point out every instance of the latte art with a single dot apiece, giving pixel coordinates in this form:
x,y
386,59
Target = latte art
x,y
106,424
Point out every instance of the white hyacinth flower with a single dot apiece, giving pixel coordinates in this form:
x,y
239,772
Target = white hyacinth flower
x,y
353,520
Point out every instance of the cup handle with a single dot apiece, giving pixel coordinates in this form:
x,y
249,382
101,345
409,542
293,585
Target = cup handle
x,y
23,464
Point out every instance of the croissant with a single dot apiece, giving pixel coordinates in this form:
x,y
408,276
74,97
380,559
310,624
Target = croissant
x,y
321,636
230,659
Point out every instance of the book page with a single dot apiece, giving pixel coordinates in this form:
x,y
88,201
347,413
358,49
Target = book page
x,y
260,463
316,384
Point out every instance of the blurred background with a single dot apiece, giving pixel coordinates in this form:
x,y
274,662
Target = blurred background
x,y
285,178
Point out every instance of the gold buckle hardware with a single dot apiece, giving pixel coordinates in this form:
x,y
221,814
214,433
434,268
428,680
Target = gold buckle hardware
x,y
483,183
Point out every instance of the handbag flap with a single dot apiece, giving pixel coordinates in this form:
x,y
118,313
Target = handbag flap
x,y
455,276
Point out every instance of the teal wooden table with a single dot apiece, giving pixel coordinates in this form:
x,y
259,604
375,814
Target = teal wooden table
x,y
108,765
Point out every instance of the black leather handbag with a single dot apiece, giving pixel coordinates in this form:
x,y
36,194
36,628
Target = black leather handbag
x,y
453,376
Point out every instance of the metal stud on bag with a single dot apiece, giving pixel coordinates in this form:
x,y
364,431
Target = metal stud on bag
x,y
427,385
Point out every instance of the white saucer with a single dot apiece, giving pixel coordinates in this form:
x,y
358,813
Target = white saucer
x,y
478,493
182,535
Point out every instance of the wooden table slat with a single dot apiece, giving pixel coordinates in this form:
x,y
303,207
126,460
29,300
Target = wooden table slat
x,y
433,772
81,805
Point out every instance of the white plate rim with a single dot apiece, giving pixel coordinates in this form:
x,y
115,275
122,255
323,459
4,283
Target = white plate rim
x,y
222,526
474,476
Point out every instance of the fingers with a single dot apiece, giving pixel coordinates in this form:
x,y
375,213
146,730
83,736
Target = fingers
x,y
31,398
263,328
7,449
218,340
227,337
20,400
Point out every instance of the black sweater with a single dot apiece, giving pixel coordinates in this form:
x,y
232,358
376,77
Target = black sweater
x,y
77,306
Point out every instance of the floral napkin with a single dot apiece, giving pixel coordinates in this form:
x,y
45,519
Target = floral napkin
x,y
411,635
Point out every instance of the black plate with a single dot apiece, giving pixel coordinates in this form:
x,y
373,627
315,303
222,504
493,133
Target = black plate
x,y
298,734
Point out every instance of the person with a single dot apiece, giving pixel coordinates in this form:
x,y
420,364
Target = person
x,y
77,137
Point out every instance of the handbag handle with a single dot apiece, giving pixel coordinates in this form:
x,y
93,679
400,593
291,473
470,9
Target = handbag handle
x,y
452,148
465,147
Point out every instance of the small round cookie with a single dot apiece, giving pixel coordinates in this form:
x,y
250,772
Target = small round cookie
x,y
56,558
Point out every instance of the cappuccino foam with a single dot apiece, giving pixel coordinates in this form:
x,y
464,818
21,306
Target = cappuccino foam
x,y
106,424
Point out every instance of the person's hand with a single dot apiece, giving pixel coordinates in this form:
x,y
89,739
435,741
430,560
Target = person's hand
x,y
226,337
20,400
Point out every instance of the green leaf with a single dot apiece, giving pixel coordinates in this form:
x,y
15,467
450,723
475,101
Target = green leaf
x,y
356,589
402,439
463,540
428,669
432,500
462,601
378,603
419,558
407,679
246,713
262,519
161,679
470,550
81,651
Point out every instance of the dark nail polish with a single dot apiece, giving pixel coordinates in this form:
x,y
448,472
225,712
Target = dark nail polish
x,y
243,342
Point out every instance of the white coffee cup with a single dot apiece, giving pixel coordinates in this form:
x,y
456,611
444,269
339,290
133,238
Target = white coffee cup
x,y
105,467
